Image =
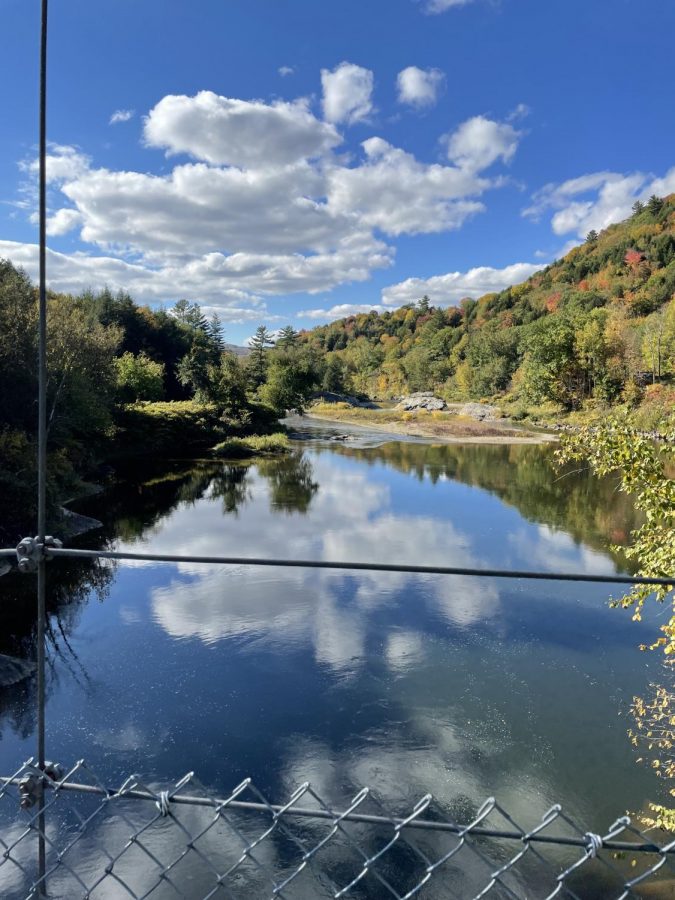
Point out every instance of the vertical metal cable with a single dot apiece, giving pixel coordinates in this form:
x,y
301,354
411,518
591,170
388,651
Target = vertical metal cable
x,y
42,439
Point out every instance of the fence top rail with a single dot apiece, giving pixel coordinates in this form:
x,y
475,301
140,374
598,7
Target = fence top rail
x,y
397,822
55,552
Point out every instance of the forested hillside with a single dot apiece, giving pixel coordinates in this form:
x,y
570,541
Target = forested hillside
x,y
594,328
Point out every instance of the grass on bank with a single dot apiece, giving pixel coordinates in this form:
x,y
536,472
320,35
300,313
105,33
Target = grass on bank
x,y
422,422
256,445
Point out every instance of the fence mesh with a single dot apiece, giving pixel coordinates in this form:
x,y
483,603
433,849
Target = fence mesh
x,y
140,841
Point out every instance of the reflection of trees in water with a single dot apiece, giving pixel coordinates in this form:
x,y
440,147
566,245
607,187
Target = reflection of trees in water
x,y
232,485
291,482
525,476
130,508
70,584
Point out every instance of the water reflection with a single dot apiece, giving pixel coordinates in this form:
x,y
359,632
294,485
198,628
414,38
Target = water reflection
x,y
460,686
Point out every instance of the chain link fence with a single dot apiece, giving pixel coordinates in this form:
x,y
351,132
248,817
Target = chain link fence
x,y
142,841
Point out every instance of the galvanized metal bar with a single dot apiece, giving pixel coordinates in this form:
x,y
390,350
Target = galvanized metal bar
x,y
362,818
358,566
42,436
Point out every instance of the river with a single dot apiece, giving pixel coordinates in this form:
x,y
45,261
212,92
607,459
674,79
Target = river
x,y
461,687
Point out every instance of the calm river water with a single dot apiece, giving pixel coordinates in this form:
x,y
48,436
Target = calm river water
x,y
461,687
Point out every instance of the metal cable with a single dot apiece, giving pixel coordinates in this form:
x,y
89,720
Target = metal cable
x,y
362,818
359,566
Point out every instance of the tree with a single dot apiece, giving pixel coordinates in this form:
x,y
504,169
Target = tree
x,y
193,369
288,338
592,236
216,332
641,468
227,385
424,304
191,315
551,368
291,379
139,378
638,207
259,344
335,375
654,205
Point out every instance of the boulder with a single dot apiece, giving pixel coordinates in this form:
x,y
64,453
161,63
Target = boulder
x,y
421,400
480,411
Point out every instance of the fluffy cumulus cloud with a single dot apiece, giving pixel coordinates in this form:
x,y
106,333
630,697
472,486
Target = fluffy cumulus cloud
x,y
419,87
347,93
596,200
479,142
394,192
265,204
446,290
64,163
243,133
121,115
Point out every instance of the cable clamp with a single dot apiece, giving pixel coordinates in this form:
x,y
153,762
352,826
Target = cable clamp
x,y
31,787
30,551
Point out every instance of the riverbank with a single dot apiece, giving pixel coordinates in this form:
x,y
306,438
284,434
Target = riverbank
x,y
439,426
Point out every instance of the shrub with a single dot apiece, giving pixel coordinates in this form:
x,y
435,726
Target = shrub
x,y
256,445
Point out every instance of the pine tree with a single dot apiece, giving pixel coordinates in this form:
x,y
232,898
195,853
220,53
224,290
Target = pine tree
x,y
592,236
216,332
259,344
288,337
424,304
638,207
654,205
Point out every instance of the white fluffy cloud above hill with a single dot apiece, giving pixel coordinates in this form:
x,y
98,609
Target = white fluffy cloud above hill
x,y
262,200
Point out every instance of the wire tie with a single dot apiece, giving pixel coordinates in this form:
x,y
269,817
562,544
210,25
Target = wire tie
x,y
594,844
163,803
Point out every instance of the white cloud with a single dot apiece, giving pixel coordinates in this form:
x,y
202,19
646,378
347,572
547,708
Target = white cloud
x,y
64,163
394,192
440,6
419,87
347,93
63,221
284,71
121,115
596,200
446,290
340,311
480,141
522,111
251,218
77,272
244,133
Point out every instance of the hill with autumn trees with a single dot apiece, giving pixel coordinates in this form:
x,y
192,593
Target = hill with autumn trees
x,y
594,329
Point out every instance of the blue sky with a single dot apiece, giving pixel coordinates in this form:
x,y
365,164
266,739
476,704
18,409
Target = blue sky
x,y
293,160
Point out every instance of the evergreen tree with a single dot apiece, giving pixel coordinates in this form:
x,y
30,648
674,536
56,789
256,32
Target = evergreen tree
x,y
216,332
592,236
259,343
424,304
288,337
654,205
638,207
181,311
